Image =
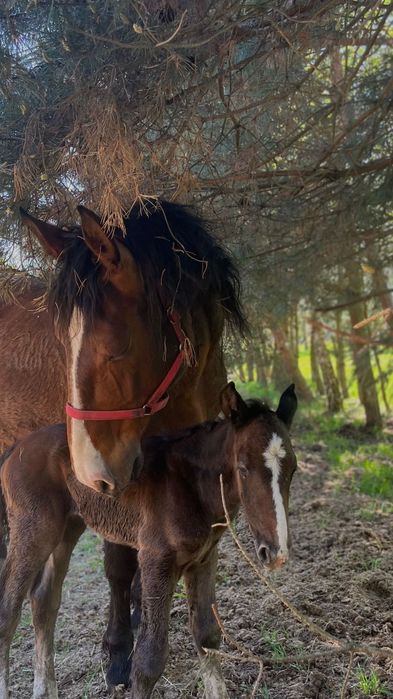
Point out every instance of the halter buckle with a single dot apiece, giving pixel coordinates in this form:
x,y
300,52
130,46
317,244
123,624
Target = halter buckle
x,y
146,409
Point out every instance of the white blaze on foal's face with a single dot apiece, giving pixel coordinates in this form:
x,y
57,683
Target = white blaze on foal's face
x,y
273,455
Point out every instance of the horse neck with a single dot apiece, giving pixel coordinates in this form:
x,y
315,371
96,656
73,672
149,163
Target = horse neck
x,y
194,396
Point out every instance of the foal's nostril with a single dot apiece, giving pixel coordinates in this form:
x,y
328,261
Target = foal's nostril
x,y
264,554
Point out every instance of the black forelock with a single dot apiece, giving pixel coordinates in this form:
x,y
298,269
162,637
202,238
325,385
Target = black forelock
x,y
179,260
255,408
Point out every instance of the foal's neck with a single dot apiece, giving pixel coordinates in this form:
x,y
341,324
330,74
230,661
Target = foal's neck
x,y
199,459
196,458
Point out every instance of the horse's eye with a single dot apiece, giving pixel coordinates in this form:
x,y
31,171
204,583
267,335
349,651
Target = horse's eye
x,y
119,355
115,357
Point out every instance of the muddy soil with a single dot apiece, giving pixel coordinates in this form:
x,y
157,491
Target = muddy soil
x,y
340,576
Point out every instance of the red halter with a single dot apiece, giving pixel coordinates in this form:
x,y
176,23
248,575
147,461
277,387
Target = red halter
x,y
157,400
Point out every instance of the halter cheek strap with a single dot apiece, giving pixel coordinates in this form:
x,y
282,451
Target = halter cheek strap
x,y
157,400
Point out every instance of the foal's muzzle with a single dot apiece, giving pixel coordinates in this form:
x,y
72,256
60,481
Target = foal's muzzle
x,y
270,556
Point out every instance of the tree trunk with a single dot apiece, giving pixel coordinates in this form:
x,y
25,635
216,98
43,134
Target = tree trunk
x,y
280,377
361,353
296,322
382,379
260,368
315,373
332,389
242,375
340,358
380,283
250,363
289,362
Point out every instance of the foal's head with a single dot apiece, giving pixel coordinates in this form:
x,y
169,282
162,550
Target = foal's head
x,y
265,463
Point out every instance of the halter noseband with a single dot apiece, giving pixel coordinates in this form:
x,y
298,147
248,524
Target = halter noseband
x,y
157,400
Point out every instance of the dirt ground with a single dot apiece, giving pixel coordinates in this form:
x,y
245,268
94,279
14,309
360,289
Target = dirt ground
x,y
340,575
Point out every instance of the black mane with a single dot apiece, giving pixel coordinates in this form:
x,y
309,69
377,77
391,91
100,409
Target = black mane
x,y
157,447
255,409
173,249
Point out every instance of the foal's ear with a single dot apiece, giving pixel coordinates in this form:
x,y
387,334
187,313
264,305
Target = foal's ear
x,y
232,404
52,239
287,405
105,249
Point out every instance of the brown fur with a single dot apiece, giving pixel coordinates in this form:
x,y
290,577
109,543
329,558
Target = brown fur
x,y
167,515
32,367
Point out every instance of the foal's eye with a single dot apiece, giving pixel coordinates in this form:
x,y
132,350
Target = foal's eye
x,y
243,470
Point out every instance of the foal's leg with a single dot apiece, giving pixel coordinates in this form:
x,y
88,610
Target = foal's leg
x,y
3,530
45,602
26,556
159,577
121,563
201,594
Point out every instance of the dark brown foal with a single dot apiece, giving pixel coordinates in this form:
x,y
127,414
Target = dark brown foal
x,y
168,515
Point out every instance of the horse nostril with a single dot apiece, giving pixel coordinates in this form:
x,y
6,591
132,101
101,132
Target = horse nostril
x,y
104,487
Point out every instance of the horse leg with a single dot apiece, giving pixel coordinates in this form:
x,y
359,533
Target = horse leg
x,y
45,599
23,563
121,563
159,577
200,581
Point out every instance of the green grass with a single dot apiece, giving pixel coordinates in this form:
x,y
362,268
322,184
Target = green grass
x,y
368,513
90,546
371,563
371,684
363,460
180,592
376,479
370,475
273,643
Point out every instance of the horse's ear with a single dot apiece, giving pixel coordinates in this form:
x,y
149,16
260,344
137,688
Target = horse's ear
x,y
104,248
52,238
287,406
232,404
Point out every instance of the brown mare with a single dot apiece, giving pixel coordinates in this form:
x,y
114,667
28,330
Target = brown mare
x,y
167,514
108,305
